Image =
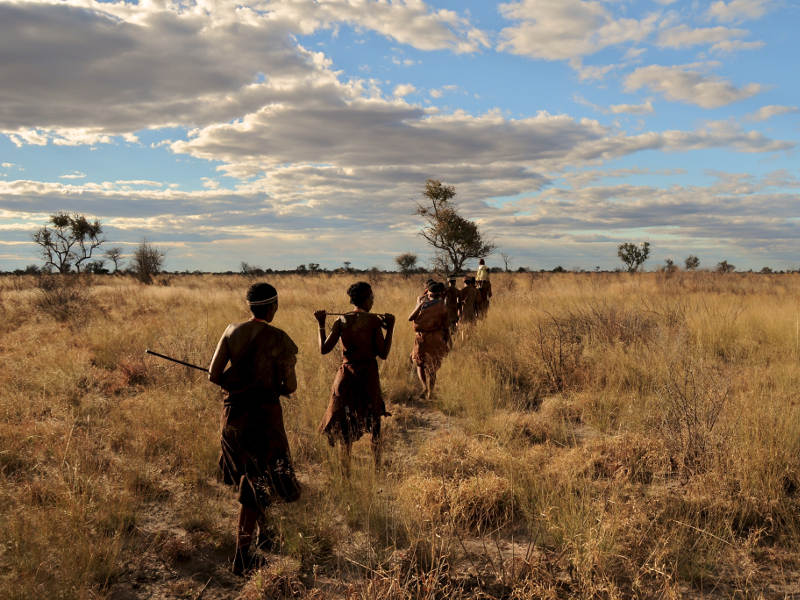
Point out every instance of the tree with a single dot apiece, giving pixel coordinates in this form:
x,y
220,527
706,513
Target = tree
x,y
114,255
69,241
725,267
407,262
147,261
455,238
691,262
633,255
97,267
669,266
506,261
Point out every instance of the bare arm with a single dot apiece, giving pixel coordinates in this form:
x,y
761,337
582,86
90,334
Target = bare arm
x,y
415,313
220,360
384,344
329,343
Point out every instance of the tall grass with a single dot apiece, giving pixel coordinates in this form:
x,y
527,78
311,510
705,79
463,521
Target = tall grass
x,y
598,435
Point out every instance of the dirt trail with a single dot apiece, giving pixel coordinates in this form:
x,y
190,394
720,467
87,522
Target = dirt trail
x,y
170,561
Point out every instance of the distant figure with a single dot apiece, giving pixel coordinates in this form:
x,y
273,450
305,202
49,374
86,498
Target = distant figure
x,y
483,272
484,294
467,300
432,337
451,304
356,404
255,452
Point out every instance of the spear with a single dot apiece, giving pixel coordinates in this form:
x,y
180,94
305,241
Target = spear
x,y
175,360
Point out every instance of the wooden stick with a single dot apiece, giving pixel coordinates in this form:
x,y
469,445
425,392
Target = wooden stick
x,y
175,360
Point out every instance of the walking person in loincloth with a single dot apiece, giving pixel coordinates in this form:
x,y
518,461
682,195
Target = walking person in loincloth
x,y
431,337
356,404
451,304
255,455
467,300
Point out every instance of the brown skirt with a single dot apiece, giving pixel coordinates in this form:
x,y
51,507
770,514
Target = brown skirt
x,y
356,404
429,351
255,452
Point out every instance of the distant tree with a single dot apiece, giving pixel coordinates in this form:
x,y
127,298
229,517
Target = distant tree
x,y
115,256
347,264
633,255
766,270
147,260
97,267
559,269
725,267
669,266
314,268
301,270
250,270
506,261
691,262
68,241
406,262
455,239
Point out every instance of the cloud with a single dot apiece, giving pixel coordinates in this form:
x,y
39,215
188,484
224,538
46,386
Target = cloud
x,y
681,83
404,89
736,10
590,72
567,29
720,38
73,175
633,109
409,22
772,110
117,68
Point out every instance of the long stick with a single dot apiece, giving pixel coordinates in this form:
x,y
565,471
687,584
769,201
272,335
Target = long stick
x,y
341,314
175,360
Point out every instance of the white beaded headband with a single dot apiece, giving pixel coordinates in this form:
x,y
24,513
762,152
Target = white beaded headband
x,y
267,301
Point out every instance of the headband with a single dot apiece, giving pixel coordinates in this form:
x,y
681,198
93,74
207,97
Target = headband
x,y
261,302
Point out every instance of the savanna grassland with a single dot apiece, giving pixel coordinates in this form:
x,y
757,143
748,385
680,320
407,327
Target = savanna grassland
x,y
599,435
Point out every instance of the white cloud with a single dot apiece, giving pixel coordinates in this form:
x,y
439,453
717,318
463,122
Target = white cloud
x,y
73,175
681,83
633,109
7,165
566,29
105,62
683,36
404,89
409,22
590,72
772,110
437,93
736,10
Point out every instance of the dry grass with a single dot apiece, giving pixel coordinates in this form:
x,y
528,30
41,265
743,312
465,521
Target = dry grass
x,y
599,435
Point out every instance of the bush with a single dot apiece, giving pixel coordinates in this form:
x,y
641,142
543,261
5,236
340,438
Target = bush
x,y
147,261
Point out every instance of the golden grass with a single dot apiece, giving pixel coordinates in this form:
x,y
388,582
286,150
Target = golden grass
x,y
599,435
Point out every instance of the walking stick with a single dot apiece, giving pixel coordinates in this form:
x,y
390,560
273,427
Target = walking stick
x,y
175,360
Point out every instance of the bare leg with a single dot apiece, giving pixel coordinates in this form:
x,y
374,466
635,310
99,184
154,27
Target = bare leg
x,y
344,456
431,383
244,537
423,379
377,444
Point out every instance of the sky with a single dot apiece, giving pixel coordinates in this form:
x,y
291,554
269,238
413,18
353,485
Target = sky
x,y
280,133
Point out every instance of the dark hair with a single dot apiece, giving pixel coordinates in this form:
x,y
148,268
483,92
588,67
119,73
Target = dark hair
x,y
259,292
359,293
436,288
481,262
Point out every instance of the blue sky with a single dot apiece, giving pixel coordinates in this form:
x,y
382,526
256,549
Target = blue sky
x,y
281,133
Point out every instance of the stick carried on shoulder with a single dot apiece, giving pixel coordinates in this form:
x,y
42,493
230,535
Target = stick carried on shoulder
x,y
352,312
175,360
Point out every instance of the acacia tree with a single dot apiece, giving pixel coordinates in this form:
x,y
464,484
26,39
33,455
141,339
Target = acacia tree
x,y
407,262
633,255
147,260
114,255
455,239
691,262
68,241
